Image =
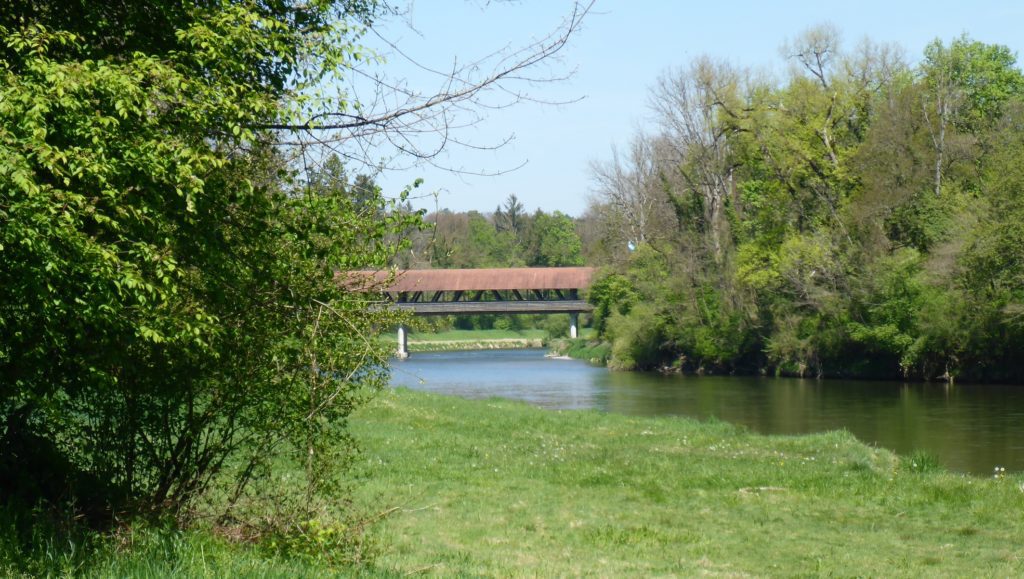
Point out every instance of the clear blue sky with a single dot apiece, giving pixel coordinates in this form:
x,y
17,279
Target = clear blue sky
x,y
619,53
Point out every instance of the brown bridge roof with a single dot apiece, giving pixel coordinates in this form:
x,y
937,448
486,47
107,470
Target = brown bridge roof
x,y
510,278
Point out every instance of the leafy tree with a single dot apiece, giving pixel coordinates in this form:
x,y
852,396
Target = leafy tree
x,y
858,218
483,245
887,325
610,294
966,86
169,312
554,241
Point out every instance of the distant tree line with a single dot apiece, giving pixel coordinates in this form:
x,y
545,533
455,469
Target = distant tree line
x,y
860,217
508,237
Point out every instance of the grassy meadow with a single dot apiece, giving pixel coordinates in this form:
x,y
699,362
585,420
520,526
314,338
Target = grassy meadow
x,y
498,488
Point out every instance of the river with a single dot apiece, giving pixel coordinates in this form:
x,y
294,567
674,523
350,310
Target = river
x,y
970,428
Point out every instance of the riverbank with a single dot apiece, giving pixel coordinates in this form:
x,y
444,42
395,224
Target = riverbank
x,y
457,340
586,349
457,345
498,488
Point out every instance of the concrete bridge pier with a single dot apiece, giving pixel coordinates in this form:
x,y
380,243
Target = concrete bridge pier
x,y
574,324
403,343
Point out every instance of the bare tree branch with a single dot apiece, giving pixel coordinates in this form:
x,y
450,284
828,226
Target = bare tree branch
x,y
416,127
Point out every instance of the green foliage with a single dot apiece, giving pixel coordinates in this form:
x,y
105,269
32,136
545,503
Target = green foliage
x,y
593,351
556,326
791,347
889,325
636,338
581,486
765,204
922,461
610,294
709,332
512,217
509,237
869,218
924,221
323,544
983,76
555,241
169,314
757,267
484,245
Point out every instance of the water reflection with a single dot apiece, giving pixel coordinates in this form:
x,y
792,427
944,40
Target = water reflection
x,y
971,428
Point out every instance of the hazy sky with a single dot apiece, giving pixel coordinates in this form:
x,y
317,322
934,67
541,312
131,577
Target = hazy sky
x,y
619,53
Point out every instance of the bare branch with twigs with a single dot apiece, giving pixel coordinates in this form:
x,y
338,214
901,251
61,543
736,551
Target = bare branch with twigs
x,y
405,126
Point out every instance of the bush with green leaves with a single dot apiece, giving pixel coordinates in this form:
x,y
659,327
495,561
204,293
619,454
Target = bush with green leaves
x,y
169,312
611,294
637,339
556,326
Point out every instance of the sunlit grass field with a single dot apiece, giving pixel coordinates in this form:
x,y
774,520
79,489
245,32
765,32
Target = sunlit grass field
x,y
498,488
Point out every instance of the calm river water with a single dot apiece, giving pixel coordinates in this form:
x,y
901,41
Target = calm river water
x,y
971,428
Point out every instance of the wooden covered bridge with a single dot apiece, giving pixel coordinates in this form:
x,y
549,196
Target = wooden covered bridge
x,y
525,290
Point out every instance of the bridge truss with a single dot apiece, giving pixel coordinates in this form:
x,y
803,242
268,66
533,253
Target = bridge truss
x,y
440,292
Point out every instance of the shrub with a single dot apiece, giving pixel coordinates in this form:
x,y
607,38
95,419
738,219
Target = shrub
x,y
636,339
169,312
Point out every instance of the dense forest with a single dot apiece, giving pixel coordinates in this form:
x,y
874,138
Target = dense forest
x,y
861,217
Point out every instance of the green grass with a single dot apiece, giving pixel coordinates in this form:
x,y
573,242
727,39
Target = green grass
x,y
475,335
496,488
474,340
452,340
144,551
